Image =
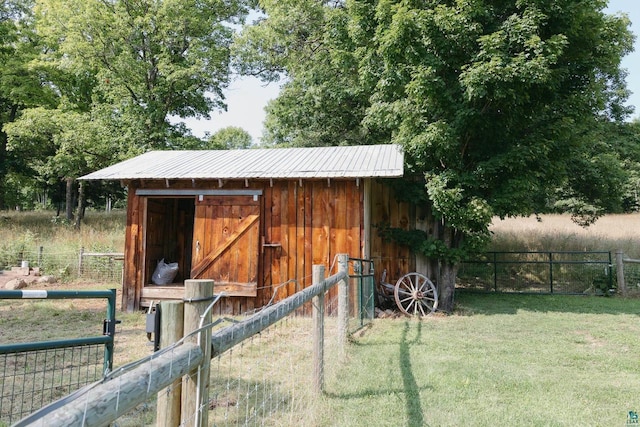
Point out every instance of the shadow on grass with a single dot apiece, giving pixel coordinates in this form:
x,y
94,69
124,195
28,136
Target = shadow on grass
x,y
476,303
413,406
410,388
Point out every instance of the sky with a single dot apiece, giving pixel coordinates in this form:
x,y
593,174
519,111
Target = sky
x,y
247,97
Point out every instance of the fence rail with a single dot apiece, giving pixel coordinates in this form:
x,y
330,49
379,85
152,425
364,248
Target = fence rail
x,y
121,391
539,272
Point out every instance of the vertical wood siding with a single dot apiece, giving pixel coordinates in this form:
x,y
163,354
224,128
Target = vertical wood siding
x,y
301,224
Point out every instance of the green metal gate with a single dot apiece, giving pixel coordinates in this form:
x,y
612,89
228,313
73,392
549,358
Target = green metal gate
x,y
34,374
362,278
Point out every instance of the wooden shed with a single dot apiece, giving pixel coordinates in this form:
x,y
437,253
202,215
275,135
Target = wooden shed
x,y
257,220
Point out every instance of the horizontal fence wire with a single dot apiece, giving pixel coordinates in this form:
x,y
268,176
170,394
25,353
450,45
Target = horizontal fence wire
x,y
538,272
261,373
264,380
31,380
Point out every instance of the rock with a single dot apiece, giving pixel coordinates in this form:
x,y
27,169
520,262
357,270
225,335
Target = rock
x,y
15,284
46,279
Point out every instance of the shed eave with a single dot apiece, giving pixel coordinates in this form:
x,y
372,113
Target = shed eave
x,y
366,161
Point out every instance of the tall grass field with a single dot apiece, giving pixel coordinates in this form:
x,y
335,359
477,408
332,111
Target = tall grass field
x,y
100,231
560,233
103,231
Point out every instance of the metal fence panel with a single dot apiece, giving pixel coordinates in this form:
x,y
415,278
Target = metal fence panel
x,y
106,267
33,374
362,282
30,380
538,272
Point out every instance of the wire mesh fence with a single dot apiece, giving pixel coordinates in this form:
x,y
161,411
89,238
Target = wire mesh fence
x,y
266,380
105,267
43,362
539,272
267,367
30,380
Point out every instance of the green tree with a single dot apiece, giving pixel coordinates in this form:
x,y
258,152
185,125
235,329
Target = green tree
x,y
623,139
121,70
21,85
151,60
495,102
229,138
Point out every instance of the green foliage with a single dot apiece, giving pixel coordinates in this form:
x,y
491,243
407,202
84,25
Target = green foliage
x,y
148,61
229,138
495,103
84,84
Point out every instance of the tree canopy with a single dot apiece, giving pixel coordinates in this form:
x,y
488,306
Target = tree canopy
x,y
497,103
85,83
229,138
149,59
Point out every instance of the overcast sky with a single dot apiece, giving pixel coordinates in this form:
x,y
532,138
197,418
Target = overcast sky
x,y
247,97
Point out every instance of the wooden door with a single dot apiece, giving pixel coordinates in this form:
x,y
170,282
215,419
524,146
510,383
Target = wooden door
x,y
226,240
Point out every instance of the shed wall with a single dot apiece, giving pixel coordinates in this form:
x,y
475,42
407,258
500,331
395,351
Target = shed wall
x,y
302,223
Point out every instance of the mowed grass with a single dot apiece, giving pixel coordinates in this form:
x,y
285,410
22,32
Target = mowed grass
x,y
500,360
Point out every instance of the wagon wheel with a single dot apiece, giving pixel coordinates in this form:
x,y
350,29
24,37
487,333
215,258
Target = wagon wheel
x,y
415,295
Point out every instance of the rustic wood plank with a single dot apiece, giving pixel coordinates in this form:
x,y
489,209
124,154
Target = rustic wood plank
x,y
337,197
286,220
132,252
290,249
176,291
197,250
228,201
340,214
219,267
308,234
266,253
275,224
243,226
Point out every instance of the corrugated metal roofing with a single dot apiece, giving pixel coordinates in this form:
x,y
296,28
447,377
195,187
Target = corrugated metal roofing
x,y
362,161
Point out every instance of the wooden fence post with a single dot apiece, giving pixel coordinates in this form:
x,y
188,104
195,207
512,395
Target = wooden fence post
x,y
318,331
198,294
80,260
171,330
622,286
343,304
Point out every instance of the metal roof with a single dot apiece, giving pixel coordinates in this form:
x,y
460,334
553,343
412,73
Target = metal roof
x,y
360,161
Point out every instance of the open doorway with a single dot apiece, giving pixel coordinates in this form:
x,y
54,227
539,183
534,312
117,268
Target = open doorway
x,y
168,235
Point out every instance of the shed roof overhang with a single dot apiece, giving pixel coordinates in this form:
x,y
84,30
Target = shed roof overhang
x,y
362,161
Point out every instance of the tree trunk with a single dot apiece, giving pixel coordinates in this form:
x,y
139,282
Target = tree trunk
x,y
80,210
448,273
69,199
447,286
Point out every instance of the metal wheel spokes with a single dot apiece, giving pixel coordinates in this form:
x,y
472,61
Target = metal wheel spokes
x,y
415,295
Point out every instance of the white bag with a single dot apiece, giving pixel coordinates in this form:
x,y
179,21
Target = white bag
x,y
164,273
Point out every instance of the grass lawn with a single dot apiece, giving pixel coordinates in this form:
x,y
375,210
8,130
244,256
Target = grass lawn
x,y
501,360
